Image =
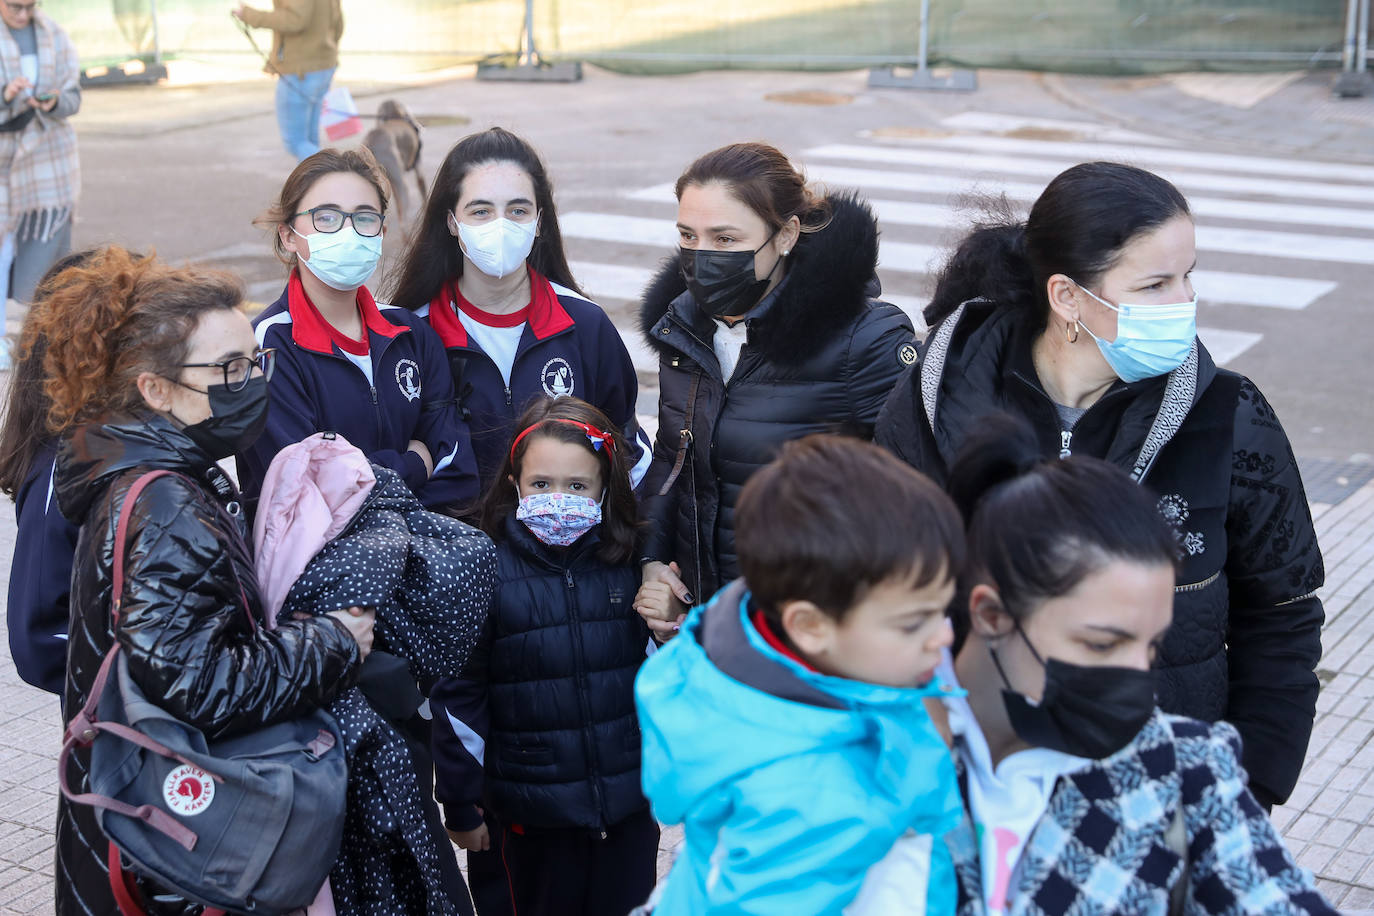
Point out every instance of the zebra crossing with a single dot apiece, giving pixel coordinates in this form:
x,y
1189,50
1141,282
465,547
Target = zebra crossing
x,y
1272,234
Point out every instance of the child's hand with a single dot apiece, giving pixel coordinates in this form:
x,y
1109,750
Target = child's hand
x,y
476,840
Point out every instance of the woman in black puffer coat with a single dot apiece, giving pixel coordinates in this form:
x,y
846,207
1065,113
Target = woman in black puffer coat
x,y
766,332
128,337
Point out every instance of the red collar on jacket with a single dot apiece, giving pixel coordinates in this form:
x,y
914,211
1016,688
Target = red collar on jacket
x,y
310,331
766,631
545,314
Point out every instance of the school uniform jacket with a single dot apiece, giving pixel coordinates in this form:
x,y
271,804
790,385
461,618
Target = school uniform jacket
x,y
569,347
408,395
40,579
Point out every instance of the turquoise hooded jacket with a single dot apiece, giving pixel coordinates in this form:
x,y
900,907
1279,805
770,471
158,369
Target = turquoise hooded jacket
x,y
790,784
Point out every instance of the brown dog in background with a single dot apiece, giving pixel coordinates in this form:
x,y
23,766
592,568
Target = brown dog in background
x,y
395,143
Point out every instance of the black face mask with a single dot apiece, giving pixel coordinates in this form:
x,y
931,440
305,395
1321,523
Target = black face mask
x,y
236,418
723,282
1085,711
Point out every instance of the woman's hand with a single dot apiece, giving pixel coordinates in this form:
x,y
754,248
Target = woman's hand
x,y
49,105
663,599
238,11
358,622
476,840
419,448
14,87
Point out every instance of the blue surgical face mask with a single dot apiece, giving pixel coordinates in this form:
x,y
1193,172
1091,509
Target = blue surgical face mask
x,y
342,260
1151,340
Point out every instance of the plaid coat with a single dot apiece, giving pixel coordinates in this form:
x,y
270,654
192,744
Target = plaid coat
x,y
1100,847
41,168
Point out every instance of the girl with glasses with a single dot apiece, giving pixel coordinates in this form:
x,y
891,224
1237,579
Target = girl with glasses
x,y
488,272
136,359
375,375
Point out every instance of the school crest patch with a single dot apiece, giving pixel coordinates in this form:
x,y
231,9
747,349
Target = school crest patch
x,y
558,378
408,378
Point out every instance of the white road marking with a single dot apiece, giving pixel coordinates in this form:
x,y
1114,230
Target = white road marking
x,y
1293,168
905,257
1019,163
1221,207
1226,345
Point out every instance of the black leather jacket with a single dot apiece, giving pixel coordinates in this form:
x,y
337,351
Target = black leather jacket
x,y
189,591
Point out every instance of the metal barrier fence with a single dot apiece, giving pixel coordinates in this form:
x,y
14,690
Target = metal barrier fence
x,y
661,36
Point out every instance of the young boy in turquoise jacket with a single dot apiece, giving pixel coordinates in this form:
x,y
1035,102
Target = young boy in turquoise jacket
x,y
785,726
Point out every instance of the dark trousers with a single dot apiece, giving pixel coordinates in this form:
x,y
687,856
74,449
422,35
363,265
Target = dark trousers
x,y
566,872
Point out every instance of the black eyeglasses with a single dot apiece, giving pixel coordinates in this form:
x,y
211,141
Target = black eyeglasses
x,y
366,223
239,370
19,9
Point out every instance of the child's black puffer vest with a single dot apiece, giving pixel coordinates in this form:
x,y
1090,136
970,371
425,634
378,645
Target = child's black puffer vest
x,y
566,644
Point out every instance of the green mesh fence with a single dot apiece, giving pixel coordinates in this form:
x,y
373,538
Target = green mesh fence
x,y
660,36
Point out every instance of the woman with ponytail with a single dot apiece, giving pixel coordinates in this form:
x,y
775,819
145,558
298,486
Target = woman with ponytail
x,y
1082,321
149,367
766,331
1083,796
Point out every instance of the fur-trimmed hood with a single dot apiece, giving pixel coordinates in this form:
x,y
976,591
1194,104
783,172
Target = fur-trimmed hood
x,y
831,275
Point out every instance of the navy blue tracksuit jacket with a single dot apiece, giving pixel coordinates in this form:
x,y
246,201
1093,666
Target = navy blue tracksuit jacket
x,y
408,395
569,347
40,579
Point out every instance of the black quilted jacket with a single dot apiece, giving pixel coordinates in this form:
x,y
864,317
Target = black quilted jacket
x,y
184,626
1246,635
821,356
549,692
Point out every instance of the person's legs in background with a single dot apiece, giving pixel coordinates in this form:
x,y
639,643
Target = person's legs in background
x,y
22,264
32,258
298,110
317,85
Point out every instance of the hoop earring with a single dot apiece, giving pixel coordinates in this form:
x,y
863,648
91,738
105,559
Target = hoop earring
x,y
1071,332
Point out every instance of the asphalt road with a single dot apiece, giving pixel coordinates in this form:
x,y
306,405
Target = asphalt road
x,y
1289,240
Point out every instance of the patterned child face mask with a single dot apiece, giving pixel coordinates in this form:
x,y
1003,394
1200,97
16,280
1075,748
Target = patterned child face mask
x,y
558,519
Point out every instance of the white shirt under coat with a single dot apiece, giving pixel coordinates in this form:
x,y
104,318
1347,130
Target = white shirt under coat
x,y
1006,801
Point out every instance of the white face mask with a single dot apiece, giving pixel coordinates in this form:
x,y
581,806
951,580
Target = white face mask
x,y
499,247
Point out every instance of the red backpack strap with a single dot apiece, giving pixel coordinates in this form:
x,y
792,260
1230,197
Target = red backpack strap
x,y
122,534
122,886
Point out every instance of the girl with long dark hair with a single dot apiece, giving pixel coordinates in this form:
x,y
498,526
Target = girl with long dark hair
x,y
488,271
551,812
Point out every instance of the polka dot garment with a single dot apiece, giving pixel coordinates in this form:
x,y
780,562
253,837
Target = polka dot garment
x,y
430,579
